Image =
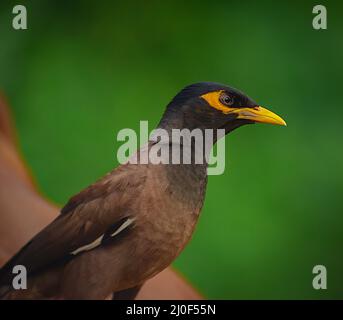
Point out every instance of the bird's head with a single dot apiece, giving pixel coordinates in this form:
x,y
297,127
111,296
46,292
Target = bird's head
x,y
209,105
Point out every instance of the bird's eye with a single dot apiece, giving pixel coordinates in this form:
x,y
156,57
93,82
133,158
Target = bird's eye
x,y
226,99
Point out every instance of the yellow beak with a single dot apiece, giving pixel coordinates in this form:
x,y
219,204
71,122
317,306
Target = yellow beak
x,y
259,114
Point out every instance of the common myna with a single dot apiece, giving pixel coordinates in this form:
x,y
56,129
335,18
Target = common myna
x,y
132,223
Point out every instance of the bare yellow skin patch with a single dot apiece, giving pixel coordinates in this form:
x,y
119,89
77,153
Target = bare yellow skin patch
x,y
213,100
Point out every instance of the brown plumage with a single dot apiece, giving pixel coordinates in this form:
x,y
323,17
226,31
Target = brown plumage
x,y
129,225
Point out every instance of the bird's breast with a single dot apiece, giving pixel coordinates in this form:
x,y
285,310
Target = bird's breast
x,y
169,207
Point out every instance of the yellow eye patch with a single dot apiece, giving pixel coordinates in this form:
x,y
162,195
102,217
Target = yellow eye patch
x,y
213,99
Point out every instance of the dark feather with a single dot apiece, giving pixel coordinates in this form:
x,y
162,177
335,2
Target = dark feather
x,y
79,224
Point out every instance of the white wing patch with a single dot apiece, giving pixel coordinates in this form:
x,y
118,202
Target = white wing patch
x,y
123,226
89,246
97,241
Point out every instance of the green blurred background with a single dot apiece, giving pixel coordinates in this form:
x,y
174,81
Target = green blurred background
x,y
86,69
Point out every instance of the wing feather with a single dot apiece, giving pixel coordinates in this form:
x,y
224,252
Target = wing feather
x,y
86,217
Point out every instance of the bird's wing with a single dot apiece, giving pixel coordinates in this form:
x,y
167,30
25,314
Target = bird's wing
x,y
89,219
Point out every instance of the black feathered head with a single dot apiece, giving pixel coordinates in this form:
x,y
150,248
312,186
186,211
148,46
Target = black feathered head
x,y
209,105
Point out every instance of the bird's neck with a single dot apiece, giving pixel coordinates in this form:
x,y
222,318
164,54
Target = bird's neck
x,y
177,118
187,184
187,180
191,137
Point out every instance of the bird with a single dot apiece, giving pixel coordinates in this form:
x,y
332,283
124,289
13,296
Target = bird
x,y
132,223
